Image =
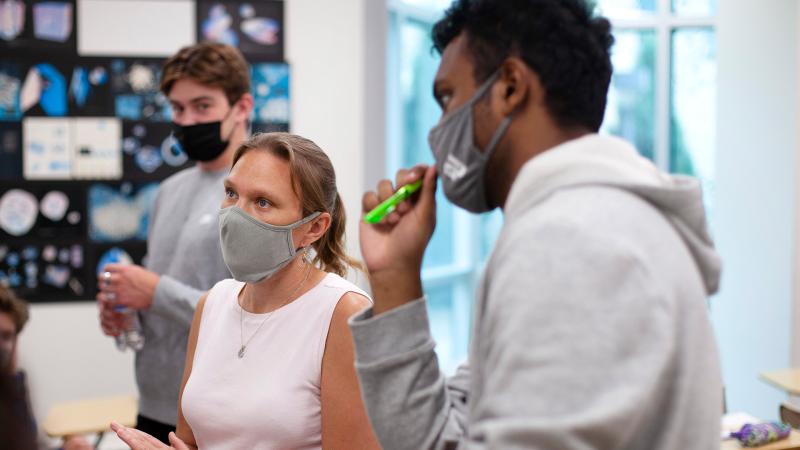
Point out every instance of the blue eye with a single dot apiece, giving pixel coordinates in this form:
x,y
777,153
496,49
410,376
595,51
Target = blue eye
x,y
262,203
229,193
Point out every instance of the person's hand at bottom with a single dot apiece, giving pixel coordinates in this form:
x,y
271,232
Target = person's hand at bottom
x,y
139,440
74,442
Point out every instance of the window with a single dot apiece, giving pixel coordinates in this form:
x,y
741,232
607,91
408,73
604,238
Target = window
x,y
663,91
661,99
462,241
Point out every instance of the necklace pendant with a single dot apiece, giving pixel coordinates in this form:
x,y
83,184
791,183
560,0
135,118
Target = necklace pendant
x,y
241,352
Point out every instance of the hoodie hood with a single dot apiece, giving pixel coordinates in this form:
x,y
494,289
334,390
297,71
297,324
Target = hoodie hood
x,y
596,160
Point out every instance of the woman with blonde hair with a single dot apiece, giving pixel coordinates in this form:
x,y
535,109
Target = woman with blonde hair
x,y
270,357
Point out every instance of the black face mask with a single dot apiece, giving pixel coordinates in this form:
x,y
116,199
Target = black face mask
x,y
203,141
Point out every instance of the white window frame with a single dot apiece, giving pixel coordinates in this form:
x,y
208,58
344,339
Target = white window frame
x,y
664,22
465,270
463,273
466,226
466,249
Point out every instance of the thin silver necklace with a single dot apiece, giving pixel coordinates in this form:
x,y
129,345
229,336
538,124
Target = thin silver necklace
x,y
241,316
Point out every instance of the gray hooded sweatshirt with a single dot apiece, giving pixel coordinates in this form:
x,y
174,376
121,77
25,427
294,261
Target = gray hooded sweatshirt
x,y
183,248
591,328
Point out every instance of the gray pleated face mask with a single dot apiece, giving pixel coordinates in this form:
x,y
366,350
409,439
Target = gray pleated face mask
x,y
254,250
459,162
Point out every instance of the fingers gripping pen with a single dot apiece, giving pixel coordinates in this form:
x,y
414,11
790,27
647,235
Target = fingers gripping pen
x,y
387,206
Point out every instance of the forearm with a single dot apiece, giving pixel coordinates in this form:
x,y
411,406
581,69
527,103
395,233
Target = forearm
x,y
392,289
187,438
404,391
183,431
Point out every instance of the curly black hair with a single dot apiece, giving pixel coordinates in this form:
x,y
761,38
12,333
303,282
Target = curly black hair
x,y
561,40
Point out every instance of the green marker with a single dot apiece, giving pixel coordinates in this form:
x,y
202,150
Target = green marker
x,y
387,206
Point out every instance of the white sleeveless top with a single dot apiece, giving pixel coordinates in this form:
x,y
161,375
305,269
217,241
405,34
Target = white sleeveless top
x,y
270,398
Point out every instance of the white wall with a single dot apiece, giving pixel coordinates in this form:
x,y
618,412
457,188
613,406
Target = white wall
x,y
755,197
336,54
68,358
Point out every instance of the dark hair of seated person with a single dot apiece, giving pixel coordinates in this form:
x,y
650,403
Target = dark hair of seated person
x,y
17,431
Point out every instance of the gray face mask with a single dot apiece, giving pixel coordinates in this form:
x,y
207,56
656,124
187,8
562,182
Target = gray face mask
x,y
459,162
254,250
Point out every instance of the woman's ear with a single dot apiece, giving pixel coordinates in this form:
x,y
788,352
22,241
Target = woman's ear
x,y
316,229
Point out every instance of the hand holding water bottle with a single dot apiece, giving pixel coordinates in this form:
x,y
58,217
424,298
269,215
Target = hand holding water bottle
x,y
132,286
124,288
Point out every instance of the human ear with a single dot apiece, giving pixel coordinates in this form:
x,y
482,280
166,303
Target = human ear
x,y
513,88
316,229
243,107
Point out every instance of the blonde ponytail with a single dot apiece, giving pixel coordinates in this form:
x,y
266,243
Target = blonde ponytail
x,y
314,182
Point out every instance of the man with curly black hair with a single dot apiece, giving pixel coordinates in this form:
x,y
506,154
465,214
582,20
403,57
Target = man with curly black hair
x,y
590,327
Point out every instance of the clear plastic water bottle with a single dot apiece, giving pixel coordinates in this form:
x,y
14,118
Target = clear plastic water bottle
x,y
131,336
121,341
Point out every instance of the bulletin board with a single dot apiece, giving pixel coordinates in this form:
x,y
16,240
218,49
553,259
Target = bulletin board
x,y
85,136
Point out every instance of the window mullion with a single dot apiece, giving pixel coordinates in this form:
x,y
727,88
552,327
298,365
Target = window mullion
x,y
649,22
422,14
663,82
696,22
396,112
634,24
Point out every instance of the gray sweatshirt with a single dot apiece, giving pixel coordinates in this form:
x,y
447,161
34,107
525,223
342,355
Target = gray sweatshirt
x,y
591,329
183,247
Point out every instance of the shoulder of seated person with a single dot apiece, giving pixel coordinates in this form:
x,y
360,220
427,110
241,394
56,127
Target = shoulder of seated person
x,y
351,303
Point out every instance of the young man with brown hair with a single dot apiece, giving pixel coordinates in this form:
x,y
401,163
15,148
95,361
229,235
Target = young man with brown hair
x,y
208,86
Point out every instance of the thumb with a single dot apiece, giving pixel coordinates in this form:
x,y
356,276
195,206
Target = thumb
x,y
176,442
127,436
